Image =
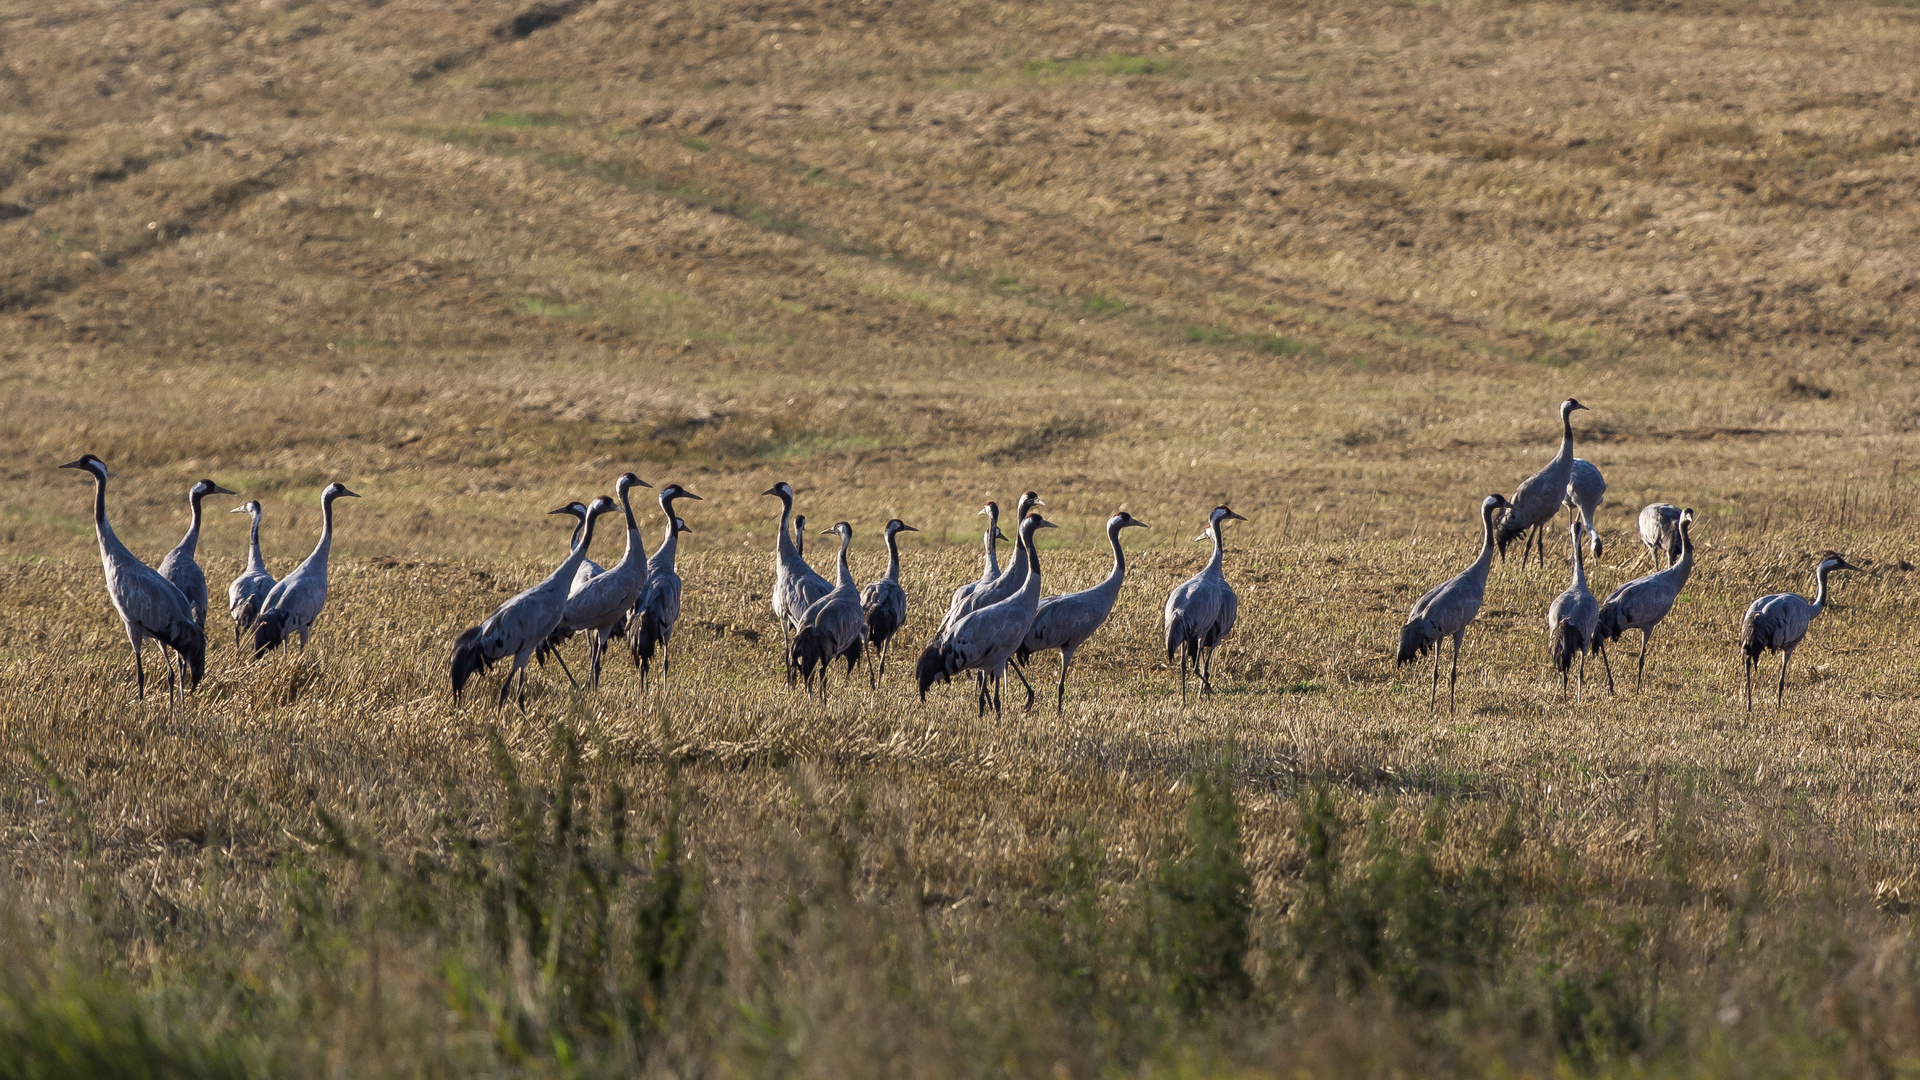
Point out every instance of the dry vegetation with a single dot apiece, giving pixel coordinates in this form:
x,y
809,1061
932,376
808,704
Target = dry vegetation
x,y
1335,264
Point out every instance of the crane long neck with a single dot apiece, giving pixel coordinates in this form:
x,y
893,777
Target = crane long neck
x,y
1820,587
574,540
1579,564
1219,547
578,555
845,571
669,547
1686,547
1033,557
1566,435
191,541
326,528
254,561
893,556
1485,562
102,531
1119,570
785,543
993,547
634,543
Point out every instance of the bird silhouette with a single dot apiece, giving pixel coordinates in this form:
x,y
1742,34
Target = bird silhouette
x,y
1445,610
1778,623
1066,621
1202,609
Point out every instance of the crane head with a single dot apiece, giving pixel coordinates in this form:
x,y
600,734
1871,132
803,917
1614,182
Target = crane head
x,y
997,534
1124,520
1029,500
675,491
251,506
1571,406
782,489
845,530
576,508
601,505
680,525
898,526
627,482
90,463
1033,522
991,511
203,488
1223,513
337,490
1833,560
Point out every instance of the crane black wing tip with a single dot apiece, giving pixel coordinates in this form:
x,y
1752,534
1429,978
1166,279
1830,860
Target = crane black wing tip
x,y
931,667
1416,637
269,633
1565,645
1607,627
467,658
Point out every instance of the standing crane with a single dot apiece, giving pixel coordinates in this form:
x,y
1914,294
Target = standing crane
x,y
1009,583
1202,609
522,624
1066,621
884,602
1571,620
832,626
795,585
1586,489
249,591
1660,532
988,574
1445,610
179,566
588,568
659,608
1539,496
1640,604
985,639
599,605
296,601
150,606
1778,623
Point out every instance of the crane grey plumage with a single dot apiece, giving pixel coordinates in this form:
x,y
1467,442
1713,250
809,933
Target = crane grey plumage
x,y
1571,620
1539,496
1642,603
795,585
149,605
1778,623
295,602
1445,610
518,627
1066,621
179,566
1586,490
1660,531
1202,609
598,605
988,574
588,568
658,611
833,625
985,639
249,591
884,603
1011,580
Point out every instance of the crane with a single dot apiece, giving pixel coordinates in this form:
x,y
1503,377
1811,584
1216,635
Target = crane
x,y
1539,496
1640,604
1445,610
795,585
1778,623
884,602
296,601
1660,532
249,591
831,626
1009,583
988,574
600,604
1586,489
150,606
1571,619
588,568
986,638
519,626
179,566
659,607
1202,609
1066,621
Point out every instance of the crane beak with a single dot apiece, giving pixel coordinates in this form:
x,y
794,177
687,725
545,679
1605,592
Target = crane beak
x,y
567,509
238,510
1845,565
218,490
1231,516
1138,522
906,528
349,494
770,491
997,534
685,494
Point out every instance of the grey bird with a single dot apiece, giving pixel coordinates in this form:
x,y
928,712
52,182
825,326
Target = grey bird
x,y
179,566
293,604
988,574
1640,604
884,603
795,585
1778,623
249,591
599,605
1445,610
518,627
1066,621
985,639
1586,490
588,568
1010,581
150,606
1660,532
658,611
1571,619
832,626
1538,498
1202,609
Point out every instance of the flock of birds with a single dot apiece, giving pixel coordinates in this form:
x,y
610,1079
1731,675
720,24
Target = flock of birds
x,y
992,625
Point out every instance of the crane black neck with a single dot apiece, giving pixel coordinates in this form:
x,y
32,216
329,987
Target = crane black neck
x,y
99,494
626,507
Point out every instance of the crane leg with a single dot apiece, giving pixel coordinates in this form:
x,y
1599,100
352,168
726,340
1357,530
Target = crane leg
x,y
1060,693
1582,683
1022,676
139,672
1433,699
1453,674
563,667
1746,662
1780,698
1646,638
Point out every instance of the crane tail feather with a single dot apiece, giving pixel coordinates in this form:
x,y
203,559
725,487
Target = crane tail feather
x,y
931,668
1610,625
467,658
647,640
1751,641
1565,645
269,633
1416,637
190,642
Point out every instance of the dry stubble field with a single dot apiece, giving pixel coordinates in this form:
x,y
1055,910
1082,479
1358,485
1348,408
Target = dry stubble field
x,y
1336,265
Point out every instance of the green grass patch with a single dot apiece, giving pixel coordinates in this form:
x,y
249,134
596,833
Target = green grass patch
x,y
1102,305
